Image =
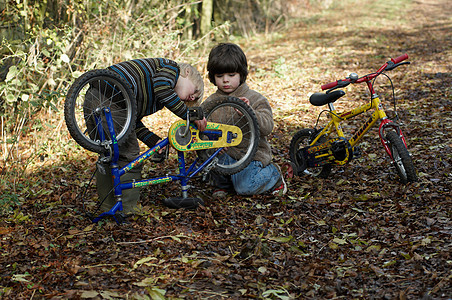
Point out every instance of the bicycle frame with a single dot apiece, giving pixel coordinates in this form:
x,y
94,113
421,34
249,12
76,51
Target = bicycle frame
x,y
320,148
379,114
185,174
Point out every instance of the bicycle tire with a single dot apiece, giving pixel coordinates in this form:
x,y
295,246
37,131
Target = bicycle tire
x,y
401,158
233,111
89,95
301,139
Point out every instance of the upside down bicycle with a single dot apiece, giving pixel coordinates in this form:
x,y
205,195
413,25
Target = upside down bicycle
x,y
104,123
315,150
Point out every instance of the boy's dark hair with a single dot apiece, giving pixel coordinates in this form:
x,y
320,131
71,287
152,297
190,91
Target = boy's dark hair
x,y
227,58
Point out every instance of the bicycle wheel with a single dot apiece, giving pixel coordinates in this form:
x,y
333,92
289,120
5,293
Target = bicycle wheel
x,y
300,140
233,111
83,109
401,158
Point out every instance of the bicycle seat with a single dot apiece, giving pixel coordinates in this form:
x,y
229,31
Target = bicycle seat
x,y
319,99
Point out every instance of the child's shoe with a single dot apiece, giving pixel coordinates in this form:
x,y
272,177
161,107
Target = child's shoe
x,y
289,169
219,194
280,189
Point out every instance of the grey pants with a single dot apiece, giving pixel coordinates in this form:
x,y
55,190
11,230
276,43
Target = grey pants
x,y
104,183
128,151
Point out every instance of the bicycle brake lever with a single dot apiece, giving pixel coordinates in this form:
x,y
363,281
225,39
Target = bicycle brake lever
x,y
402,63
340,84
392,66
193,114
196,113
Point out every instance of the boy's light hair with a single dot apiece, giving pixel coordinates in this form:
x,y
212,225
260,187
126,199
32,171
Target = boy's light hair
x,y
195,77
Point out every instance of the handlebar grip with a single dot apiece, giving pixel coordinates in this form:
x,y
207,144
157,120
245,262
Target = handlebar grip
x,y
399,59
329,85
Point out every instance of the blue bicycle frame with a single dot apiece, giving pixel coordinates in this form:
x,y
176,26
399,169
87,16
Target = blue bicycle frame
x,y
184,174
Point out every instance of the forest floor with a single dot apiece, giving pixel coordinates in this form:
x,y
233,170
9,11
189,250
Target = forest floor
x,y
359,234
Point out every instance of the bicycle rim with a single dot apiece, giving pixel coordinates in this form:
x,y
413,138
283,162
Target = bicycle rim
x,y
85,103
300,140
233,111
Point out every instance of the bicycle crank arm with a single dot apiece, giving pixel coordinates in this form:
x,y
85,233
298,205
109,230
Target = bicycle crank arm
x,y
216,135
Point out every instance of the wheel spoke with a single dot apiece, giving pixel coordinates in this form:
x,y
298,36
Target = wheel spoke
x,y
87,97
235,113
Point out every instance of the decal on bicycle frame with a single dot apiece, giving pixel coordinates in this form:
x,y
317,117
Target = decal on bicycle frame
x,y
216,136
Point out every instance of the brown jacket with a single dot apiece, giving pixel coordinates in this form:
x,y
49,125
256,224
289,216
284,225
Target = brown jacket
x,y
264,115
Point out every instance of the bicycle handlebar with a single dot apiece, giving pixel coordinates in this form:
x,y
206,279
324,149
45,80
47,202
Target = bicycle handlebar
x,y
399,59
329,85
392,64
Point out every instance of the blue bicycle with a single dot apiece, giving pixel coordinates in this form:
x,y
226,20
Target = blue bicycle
x,y
104,122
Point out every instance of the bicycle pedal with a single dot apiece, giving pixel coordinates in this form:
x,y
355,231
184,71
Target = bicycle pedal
x,y
357,152
208,168
187,203
101,168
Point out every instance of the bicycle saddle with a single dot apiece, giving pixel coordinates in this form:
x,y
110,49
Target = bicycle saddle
x,y
319,99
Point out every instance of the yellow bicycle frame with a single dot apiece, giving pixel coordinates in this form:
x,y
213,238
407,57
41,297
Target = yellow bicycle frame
x,y
321,152
334,125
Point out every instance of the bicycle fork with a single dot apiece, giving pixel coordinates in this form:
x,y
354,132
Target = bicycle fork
x,y
114,166
385,124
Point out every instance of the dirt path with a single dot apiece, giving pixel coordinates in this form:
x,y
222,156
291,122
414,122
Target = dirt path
x,y
356,37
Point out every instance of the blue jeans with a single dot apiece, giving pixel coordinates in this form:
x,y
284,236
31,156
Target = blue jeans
x,y
254,179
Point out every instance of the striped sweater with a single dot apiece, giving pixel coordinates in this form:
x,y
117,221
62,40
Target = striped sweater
x,y
152,81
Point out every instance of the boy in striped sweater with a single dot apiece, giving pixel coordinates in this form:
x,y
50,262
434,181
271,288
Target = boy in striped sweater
x,y
156,83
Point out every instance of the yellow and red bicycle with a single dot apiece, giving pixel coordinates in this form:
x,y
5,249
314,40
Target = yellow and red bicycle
x,y
314,151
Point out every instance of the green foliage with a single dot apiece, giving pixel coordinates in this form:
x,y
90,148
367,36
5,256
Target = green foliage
x,y
281,68
7,202
46,44
31,85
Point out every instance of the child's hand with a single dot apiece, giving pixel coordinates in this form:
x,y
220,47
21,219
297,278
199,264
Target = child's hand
x,y
244,99
161,149
201,124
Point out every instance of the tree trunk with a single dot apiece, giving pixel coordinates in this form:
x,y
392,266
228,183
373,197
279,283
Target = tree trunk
x,y
206,16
